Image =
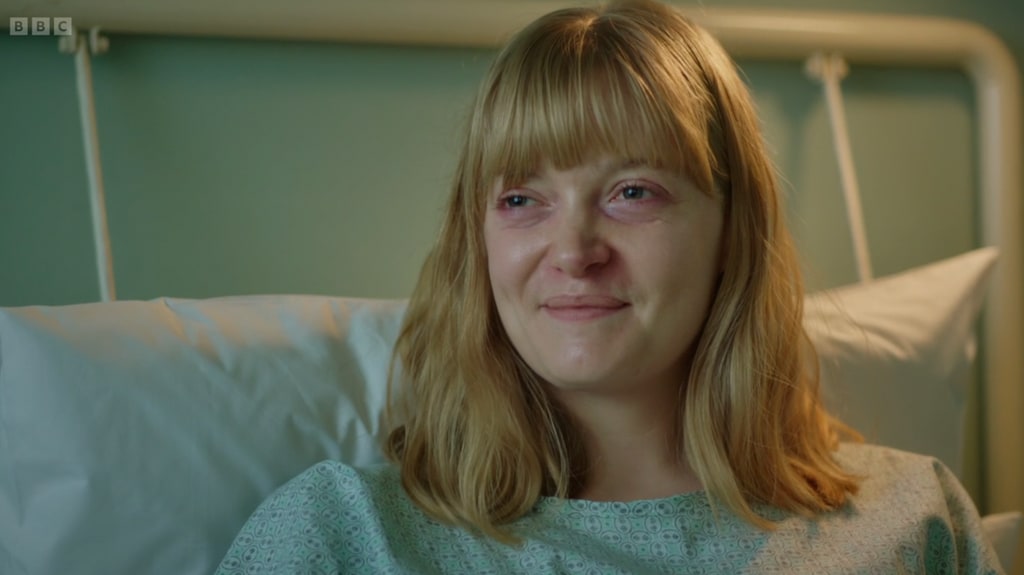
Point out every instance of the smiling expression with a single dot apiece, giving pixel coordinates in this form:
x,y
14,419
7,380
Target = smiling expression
x,y
603,273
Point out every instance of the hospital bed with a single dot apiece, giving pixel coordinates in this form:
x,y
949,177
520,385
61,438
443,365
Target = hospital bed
x,y
137,436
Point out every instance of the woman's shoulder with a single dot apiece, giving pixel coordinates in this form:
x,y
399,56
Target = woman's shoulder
x,y
910,513
879,466
327,516
866,458
335,484
889,474
333,474
918,494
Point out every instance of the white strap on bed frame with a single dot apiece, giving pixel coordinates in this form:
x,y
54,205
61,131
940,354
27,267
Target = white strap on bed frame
x,y
830,69
82,46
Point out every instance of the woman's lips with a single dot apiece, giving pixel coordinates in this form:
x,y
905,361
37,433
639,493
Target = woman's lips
x,y
582,307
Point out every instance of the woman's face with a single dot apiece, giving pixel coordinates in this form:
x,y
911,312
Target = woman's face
x,y
603,273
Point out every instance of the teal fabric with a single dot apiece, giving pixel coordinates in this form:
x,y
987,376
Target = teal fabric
x,y
911,516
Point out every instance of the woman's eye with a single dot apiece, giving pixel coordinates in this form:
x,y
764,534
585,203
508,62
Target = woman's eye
x,y
514,201
634,192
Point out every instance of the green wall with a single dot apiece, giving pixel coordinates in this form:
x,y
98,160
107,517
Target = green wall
x,y
238,167
230,167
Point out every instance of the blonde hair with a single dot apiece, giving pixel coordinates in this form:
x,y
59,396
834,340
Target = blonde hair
x,y
482,439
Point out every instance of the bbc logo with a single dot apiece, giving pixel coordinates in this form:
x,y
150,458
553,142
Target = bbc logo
x,y
21,26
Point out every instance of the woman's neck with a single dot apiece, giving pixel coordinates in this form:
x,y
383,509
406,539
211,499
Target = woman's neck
x,y
633,448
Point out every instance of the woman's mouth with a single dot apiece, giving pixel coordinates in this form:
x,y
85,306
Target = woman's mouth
x,y
582,307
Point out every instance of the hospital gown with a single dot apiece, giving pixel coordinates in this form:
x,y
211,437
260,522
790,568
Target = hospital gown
x,y
911,516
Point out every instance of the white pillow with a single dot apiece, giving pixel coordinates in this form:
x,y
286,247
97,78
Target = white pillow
x,y
1003,531
137,437
896,353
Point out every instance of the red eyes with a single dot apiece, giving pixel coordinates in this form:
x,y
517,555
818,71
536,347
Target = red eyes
x,y
629,192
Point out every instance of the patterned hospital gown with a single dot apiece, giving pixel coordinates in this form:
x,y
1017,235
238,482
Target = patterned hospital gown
x,y
911,516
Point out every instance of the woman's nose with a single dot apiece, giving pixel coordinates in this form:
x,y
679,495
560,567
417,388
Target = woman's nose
x,y
579,244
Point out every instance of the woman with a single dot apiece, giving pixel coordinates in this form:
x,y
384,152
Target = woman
x,y
605,366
